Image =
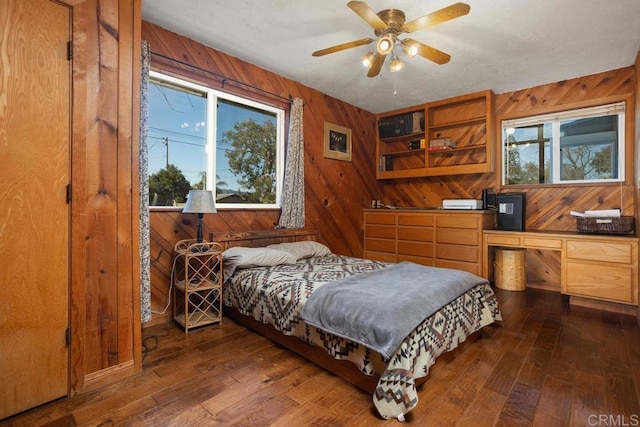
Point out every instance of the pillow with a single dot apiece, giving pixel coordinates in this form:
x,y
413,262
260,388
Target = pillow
x,y
302,250
241,257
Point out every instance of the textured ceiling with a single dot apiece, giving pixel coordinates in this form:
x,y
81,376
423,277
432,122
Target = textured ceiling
x,y
501,45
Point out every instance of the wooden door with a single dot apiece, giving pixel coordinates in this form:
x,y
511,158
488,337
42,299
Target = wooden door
x,y
35,119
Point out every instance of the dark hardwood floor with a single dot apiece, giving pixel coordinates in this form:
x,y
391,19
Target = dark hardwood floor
x,y
548,364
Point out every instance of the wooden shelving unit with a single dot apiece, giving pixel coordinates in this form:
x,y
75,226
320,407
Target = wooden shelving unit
x,y
467,120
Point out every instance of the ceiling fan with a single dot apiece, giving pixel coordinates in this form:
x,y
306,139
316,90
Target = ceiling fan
x,y
388,24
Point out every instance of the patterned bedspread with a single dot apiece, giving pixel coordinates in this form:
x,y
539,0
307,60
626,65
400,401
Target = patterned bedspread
x,y
275,295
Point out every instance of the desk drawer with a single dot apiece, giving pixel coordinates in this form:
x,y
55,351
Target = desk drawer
x,y
496,240
541,242
600,281
600,251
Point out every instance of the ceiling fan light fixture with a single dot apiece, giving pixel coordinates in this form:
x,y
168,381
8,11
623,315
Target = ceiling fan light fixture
x,y
385,44
409,48
396,64
367,59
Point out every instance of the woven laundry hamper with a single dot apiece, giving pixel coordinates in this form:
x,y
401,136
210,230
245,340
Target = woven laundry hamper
x,y
510,269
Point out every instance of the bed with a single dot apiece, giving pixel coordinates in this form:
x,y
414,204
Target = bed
x,y
269,281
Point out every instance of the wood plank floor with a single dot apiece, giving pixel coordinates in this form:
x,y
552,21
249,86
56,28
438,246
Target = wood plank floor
x,y
548,364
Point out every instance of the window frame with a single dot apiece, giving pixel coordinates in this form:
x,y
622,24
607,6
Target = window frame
x,y
618,108
212,95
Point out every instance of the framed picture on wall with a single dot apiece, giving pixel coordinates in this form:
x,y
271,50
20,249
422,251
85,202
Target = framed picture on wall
x,y
337,142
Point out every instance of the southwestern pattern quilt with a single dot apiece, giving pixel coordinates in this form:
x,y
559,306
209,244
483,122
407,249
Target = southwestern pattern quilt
x,y
276,294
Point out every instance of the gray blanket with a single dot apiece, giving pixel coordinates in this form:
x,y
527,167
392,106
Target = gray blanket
x,y
379,309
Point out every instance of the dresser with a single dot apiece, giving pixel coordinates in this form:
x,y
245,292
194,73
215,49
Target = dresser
x,y
433,237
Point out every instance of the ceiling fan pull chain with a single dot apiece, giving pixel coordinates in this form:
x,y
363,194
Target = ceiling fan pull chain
x,y
395,85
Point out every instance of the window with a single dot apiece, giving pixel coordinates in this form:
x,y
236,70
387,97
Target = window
x,y
567,147
202,138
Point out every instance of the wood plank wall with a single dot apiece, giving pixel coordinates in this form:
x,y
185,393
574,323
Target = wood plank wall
x,y
335,191
548,207
104,301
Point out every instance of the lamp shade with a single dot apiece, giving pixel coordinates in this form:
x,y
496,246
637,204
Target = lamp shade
x,y
199,201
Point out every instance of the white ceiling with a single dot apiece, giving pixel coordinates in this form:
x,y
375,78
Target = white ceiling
x,y
501,45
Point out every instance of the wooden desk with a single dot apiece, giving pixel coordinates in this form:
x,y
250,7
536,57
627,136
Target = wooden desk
x,y
598,267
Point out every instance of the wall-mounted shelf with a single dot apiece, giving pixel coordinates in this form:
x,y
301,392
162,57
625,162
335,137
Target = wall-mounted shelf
x,y
467,120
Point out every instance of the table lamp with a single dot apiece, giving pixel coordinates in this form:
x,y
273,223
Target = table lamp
x,y
200,202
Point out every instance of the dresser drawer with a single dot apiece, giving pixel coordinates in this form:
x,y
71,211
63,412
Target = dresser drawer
x,y
380,256
422,234
416,259
380,245
457,236
600,251
457,221
380,218
383,231
465,266
458,253
423,249
415,219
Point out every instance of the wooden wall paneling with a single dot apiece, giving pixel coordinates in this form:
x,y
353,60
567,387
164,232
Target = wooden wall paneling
x,y
543,269
104,292
81,82
129,332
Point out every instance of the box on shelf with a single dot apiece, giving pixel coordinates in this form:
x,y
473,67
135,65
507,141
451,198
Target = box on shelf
x,y
442,142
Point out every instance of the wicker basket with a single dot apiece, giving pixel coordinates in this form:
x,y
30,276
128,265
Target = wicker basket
x,y
510,269
609,225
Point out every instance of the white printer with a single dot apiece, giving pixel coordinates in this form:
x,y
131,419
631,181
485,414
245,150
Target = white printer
x,y
461,204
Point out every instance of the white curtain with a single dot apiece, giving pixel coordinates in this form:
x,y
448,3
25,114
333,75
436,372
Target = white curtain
x,y
145,247
292,213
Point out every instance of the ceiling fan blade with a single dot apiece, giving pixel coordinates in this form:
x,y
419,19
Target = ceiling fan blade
x,y
438,17
343,46
376,65
365,12
430,53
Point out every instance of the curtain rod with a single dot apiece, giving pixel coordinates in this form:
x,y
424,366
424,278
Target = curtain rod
x,y
220,76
